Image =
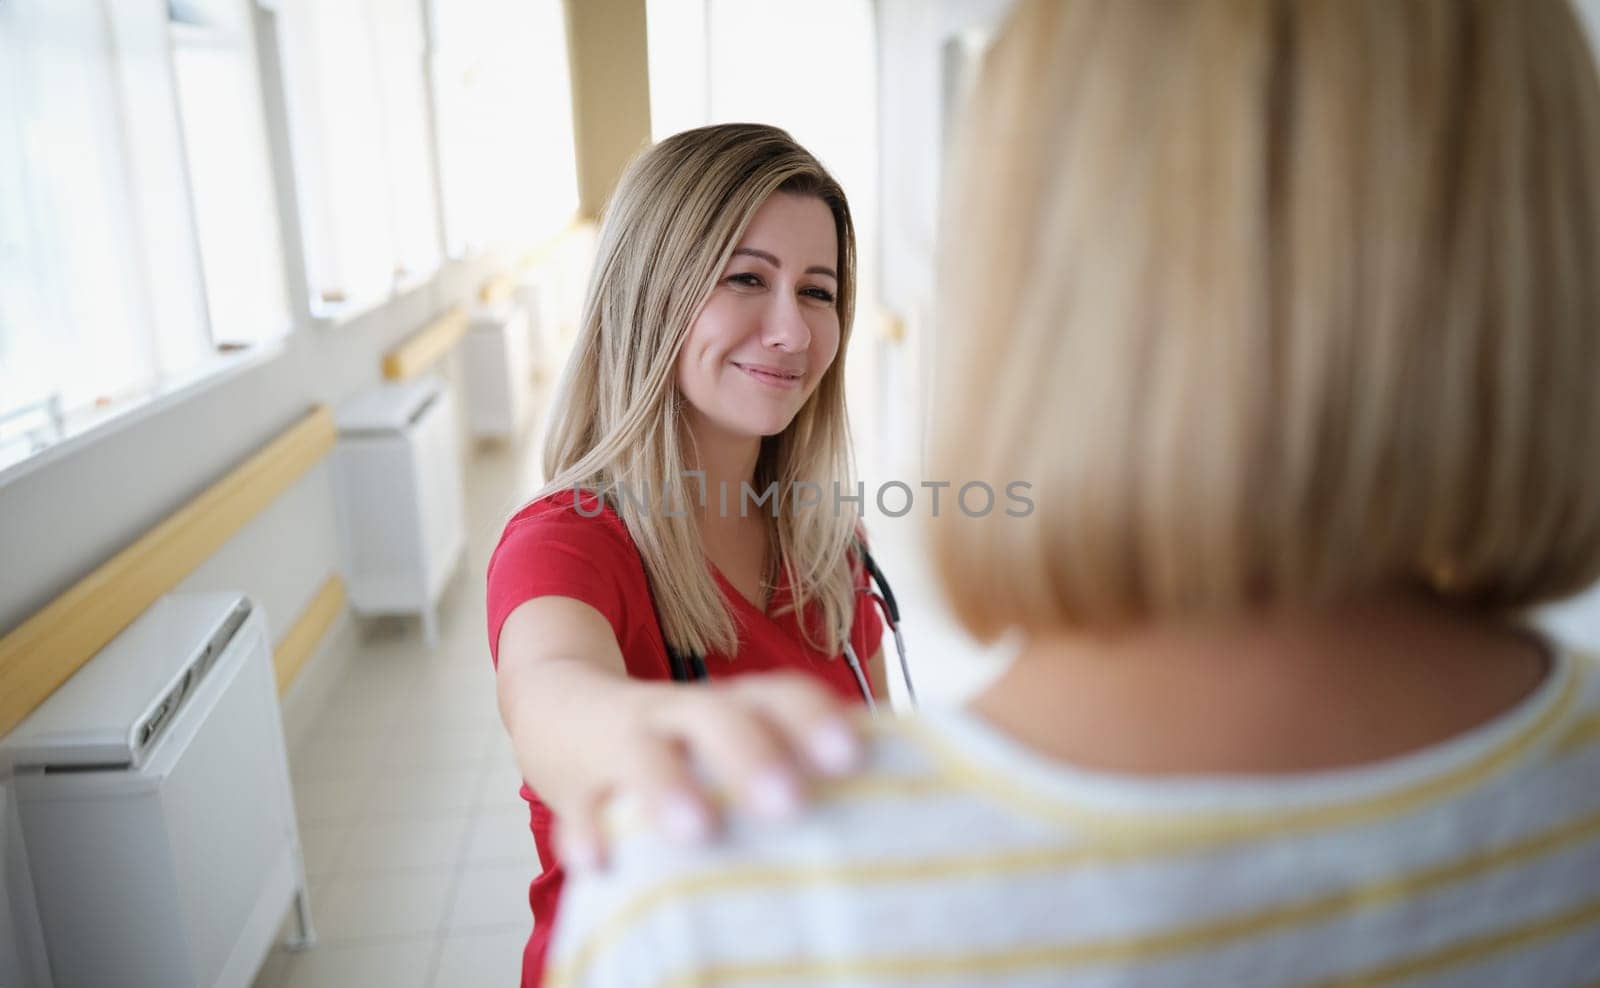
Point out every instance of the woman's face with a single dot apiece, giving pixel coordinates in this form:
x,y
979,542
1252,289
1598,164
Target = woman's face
x,y
770,328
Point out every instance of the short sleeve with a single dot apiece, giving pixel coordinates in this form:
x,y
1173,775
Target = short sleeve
x,y
556,551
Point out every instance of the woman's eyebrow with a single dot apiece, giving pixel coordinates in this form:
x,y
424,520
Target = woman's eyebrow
x,y
772,259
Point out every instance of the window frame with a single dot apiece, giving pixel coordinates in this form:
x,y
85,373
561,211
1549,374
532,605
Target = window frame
x,y
213,360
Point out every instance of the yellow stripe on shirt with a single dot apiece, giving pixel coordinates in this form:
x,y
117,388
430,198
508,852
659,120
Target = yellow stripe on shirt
x,y
1477,948
998,963
1580,735
778,879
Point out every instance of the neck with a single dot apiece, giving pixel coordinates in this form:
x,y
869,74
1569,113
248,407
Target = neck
x,y
728,461
1285,692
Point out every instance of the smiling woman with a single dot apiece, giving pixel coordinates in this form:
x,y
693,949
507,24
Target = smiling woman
x,y
769,330
711,359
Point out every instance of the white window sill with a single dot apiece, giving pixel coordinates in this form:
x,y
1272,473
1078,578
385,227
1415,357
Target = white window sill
x,y
332,315
92,426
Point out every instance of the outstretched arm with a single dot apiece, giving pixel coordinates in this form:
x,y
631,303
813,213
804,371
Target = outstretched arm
x,y
584,732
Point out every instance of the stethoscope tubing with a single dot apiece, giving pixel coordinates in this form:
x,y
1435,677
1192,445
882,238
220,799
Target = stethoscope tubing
x,y
861,677
688,668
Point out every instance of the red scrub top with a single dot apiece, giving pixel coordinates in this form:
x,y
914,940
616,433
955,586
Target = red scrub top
x,y
549,548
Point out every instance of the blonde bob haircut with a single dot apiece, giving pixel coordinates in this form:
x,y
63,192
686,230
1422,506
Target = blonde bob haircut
x,y
668,232
1276,303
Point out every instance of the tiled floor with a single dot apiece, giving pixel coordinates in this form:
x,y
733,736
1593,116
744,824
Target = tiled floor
x,y
416,843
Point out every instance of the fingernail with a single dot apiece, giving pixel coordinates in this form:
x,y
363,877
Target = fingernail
x,y
775,794
834,749
684,819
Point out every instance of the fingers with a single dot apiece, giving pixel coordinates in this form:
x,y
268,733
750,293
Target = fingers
x,y
739,750
758,740
656,769
813,724
761,737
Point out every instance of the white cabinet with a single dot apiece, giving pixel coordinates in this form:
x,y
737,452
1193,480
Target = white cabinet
x,y
156,815
538,294
498,378
397,470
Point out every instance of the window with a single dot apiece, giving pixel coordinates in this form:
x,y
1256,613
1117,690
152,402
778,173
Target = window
x,y
92,209
354,71
229,170
138,232
140,229
676,38
504,103
402,52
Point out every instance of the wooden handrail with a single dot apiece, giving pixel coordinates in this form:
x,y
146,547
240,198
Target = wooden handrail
x,y
45,650
314,622
542,251
500,286
497,288
423,348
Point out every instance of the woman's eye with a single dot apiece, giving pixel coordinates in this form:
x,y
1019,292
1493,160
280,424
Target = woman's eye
x,y
746,279
820,294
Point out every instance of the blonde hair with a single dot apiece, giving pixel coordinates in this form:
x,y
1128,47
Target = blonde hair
x,y
1275,304
668,231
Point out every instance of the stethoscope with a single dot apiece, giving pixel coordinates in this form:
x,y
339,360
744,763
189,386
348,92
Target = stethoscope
x,y
690,667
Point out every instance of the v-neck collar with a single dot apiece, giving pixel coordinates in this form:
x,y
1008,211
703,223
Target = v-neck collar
x,y
740,600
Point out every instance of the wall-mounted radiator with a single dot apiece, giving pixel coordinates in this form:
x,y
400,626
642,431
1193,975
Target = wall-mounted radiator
x,y
397,469
155,809
497,368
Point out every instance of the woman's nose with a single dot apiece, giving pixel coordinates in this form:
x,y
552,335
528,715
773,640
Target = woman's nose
x,y
786,327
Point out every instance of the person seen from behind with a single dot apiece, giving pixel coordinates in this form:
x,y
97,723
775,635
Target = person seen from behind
x,y
1290,312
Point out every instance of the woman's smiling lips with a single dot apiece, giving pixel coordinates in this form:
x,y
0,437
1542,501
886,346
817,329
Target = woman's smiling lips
x,y
775,377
